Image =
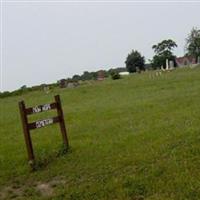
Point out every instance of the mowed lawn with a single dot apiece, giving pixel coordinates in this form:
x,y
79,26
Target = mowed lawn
x,y
135,138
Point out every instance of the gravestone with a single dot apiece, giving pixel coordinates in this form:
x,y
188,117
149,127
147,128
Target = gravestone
x,y
167,64
171,64
46,89
70,85
162,68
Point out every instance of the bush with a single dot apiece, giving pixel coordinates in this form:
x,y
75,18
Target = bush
x,y
5,94
115,75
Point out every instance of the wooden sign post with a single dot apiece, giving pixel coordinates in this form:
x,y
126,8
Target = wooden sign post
x,y
24,112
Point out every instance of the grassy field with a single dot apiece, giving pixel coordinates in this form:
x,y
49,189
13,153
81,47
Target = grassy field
x,y
135,138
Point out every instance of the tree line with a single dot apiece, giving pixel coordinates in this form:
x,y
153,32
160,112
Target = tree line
x,y
164,50
113,72
94,75
135,62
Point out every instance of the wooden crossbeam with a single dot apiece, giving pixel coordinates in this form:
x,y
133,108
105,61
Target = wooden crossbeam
x,y
24,112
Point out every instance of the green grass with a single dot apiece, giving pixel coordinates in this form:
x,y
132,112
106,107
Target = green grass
x,y
134,138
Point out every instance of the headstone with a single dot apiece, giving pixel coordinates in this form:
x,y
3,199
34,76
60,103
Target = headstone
x,y
167,64
70,85
76,84
171,64
46,89
157,73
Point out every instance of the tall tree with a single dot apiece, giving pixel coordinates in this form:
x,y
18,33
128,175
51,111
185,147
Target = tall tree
x,y
135,61
193,43
163,50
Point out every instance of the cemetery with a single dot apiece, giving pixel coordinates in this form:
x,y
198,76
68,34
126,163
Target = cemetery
x,y
99,100
128,139
127,133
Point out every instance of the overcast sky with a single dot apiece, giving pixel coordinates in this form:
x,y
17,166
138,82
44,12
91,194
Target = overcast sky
x,y
43,42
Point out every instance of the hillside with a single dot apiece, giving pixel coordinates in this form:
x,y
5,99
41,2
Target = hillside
x,y
134,138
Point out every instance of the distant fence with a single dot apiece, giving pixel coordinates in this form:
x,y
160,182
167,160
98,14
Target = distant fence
x,y
41,123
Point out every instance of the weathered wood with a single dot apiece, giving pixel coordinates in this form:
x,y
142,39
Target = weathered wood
x,y
43,123
40,108
24,112
62,122
27,136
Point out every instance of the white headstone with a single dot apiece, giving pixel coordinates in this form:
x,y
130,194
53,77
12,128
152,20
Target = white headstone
x,y
171,64
162,68
167,64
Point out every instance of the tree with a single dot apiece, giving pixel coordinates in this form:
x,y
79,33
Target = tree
x,y
134,62
86,76
76,77
23,87
193,43
163,51
115,75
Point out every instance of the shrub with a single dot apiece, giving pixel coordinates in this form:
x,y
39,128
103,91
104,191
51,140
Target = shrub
x,y
115,75
5,94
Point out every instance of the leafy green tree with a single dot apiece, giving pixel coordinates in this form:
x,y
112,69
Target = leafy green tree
x,y
163,51
134,62
193,43
76,77
94,75
86,76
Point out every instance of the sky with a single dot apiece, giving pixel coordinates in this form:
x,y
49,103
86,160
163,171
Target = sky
x,y
43,41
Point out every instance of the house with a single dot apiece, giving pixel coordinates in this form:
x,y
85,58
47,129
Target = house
x,y
185,60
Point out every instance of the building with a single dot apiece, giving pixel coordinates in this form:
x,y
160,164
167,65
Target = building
x,y
185,60
101,75
123,73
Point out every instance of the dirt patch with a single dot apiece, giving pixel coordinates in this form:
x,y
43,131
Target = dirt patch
x,y
10,192
45,189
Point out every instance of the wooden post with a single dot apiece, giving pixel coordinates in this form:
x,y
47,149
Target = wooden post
x,y
26,131
62,122
24,112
